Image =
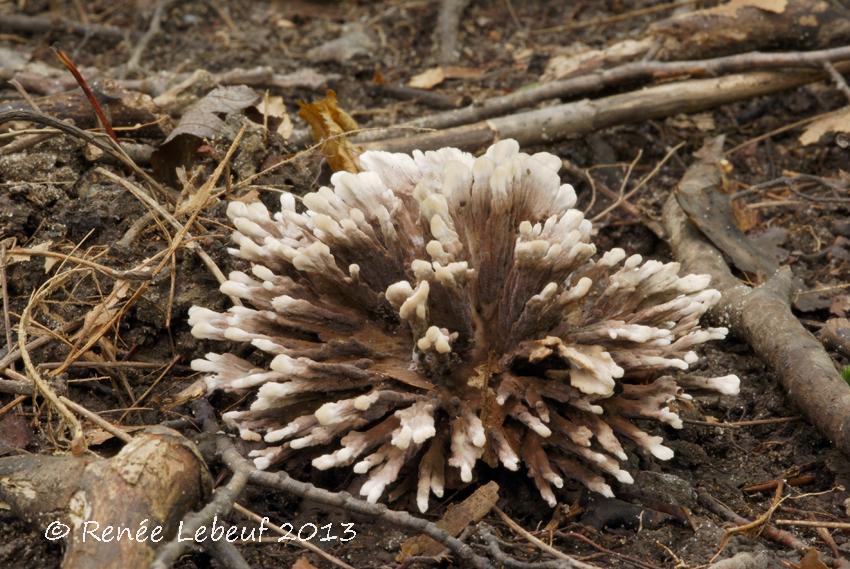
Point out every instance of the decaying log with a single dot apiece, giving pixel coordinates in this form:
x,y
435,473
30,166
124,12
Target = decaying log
x,y
762,316
158,476
731,26
580,117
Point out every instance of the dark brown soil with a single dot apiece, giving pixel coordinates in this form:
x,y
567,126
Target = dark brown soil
x,y
50,192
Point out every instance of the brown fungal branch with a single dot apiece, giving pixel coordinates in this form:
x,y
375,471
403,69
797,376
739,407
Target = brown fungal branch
x,y
762,316
412,340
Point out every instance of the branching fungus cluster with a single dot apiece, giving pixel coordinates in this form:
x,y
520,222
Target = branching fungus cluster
x,y
437,310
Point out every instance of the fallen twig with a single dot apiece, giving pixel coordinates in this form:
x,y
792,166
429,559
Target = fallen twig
x,y
570,119
445,34
762,316
4,293
508,561
153,29
777,535
813,524
565,559
623,74
284,533
14,387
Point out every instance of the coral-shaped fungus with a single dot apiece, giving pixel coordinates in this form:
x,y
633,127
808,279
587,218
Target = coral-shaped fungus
x,y
437,310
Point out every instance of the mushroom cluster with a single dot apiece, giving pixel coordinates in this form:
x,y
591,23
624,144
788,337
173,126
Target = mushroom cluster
x,y
439,309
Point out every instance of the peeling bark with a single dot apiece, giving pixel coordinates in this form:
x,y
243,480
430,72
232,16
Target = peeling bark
x,y
158,476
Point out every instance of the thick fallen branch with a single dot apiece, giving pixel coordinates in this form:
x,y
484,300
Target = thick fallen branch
x,y
158,477
762,316
40,24
580,117
733,25
625,74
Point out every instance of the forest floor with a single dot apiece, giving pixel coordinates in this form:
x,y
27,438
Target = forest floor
x,y
52,192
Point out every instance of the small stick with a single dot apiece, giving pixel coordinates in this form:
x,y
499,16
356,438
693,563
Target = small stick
x,y
153,29
15,354
15,386
131,275
39,24
801,480
97,420
77,441
4,291
741,424
26,96
227,554
583,85
623,185
81,81
12,404
107,365
837,78
605,550
571,562
507,561
777,535
813,524
282,532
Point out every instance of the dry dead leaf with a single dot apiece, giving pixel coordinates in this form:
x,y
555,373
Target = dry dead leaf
x,y
23,258
329,123
352,42
832,123
273,109
203,119
580,58
812,560
731,8
303,563
102,312
455,520
746,218
432,77
459,72
710,211
428,79
840,305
